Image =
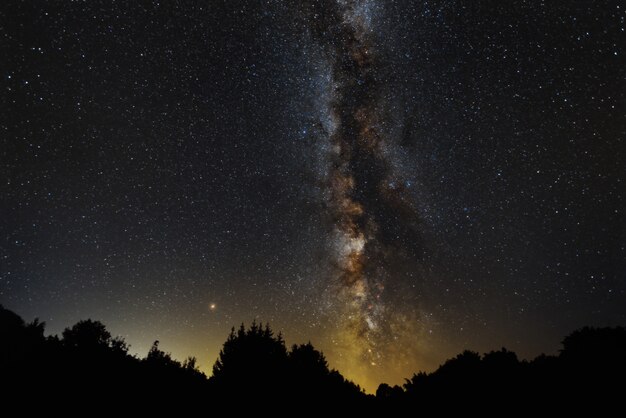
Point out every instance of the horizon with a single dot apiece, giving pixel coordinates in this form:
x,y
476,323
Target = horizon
x,y
205,365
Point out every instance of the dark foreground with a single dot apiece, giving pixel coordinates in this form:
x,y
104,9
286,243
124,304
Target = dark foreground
x,y
87,371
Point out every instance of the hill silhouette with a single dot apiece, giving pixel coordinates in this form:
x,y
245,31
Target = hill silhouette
x,y
255,370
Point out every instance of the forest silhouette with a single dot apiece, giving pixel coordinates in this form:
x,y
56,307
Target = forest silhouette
x,y
87,367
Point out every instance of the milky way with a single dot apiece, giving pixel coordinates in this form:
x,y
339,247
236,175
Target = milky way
x,y
369,215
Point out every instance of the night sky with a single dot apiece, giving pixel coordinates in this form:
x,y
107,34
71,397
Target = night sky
x,y
394,181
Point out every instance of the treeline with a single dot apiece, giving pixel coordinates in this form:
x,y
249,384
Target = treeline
x,y
588,375
255,370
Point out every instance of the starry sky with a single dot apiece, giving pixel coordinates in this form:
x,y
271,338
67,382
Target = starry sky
x,y
394,181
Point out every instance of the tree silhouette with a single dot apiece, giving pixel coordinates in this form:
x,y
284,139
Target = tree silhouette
x,y
91,335
252,362
254,369
311,378
593,364
160,358
19,339
388,393
307,361
595,347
